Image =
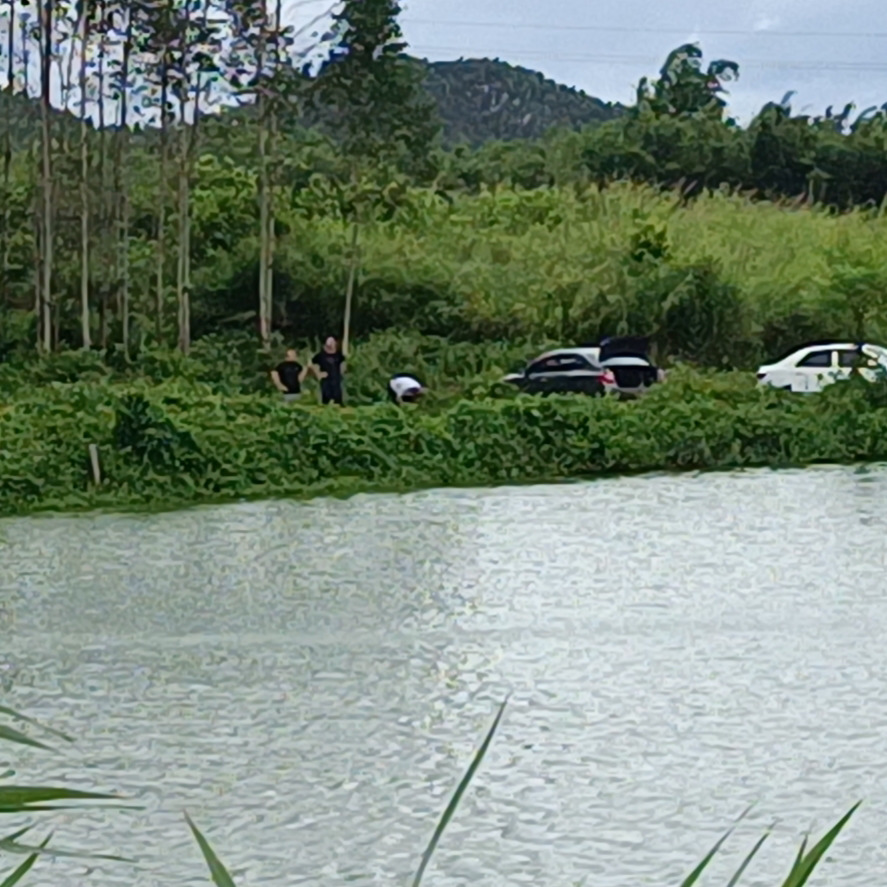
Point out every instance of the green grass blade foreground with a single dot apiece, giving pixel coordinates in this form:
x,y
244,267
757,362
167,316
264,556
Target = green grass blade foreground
x,y
747,861
694,876
27,799
457,795
32,799
10,734
18,716
806,863
219,873
12,879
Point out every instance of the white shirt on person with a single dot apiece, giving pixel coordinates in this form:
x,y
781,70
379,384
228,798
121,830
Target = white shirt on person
x,y
402,385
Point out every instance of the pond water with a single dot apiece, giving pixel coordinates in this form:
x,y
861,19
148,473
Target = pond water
x,y
310,680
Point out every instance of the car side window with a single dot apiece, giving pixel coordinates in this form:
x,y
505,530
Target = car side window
x,y
850,359
816,359
572,362
558,363
546,365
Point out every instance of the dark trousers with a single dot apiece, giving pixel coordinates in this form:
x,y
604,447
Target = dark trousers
x,y
331,392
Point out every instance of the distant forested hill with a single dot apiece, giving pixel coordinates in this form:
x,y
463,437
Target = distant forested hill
x,y
479,100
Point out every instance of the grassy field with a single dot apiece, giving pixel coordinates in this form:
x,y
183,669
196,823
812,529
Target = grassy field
x,y
721,281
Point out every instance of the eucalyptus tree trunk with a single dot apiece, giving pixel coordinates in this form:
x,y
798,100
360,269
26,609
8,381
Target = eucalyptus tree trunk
x,y
7,150
102,163
265,298
84,183
121,189
183,275
353,257
46,182
160,280
271,178
36,195
349,286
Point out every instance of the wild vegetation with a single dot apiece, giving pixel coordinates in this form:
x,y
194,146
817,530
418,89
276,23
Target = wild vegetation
x,y
148,213
157,248
17,800
177,443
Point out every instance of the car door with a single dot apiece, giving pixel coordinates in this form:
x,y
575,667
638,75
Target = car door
x,y
848,360
813,371
561,374
540,374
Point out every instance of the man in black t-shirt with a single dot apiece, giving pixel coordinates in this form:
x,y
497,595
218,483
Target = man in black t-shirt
x,y
289,375
329,366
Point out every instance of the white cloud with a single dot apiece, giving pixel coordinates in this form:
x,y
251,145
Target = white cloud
x,y
766,22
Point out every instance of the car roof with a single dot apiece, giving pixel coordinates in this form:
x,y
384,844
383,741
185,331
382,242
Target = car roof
x,y
832,345
587,352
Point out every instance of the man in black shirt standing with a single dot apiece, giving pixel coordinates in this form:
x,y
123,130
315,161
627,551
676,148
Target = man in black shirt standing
x,y
289,375
329,366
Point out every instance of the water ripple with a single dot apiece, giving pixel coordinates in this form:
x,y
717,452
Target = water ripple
x,y
309,681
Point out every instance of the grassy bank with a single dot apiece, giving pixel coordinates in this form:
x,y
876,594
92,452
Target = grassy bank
x,y
176,444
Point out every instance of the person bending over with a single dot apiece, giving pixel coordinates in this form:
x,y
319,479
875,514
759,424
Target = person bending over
x,y
404,388
329,367
289,375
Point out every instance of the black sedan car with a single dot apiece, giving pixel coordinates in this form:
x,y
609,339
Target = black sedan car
x,y
615,366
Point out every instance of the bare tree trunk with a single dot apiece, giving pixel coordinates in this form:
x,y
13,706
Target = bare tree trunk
x,y
183,281
349,287
84,185
7,150
161,198
46,33
102,215
265,298
37,253
272,178
122,188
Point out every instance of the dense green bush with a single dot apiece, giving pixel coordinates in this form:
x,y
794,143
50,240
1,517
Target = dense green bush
x,y
721,278
233,364
183,442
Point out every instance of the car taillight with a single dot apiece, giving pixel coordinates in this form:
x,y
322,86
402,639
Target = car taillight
x,y
608,378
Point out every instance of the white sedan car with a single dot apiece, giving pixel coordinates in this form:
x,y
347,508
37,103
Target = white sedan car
x,y
811,368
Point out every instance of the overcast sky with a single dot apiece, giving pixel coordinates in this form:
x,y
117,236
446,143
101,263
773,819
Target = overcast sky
x,y
605,47
829,51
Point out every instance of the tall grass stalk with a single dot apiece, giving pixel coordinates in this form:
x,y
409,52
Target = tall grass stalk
x,y
25,799
18,799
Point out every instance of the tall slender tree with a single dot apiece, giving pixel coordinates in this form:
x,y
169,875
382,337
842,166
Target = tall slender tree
x,y
126,14
102,28
158,47
7,147
382,115
84,20
46,174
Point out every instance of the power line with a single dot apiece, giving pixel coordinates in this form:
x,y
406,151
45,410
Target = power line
x,y
615,29
811,65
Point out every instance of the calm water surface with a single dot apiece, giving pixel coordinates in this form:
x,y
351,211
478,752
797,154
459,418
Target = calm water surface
x,y
309,680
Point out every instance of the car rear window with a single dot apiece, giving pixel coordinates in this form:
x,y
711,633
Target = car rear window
x,y
816,359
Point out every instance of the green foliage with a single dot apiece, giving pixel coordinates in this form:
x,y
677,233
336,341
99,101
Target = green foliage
x,y
486,100
684,88
373,92
180,442
18,800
